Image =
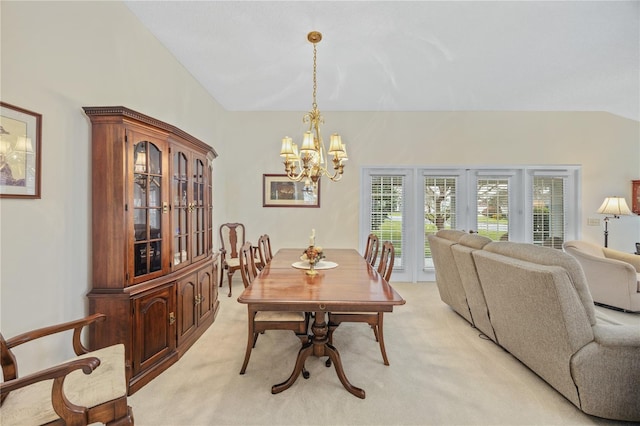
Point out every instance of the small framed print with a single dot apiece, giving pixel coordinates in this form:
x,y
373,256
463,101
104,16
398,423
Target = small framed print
x,y
280,191
635,196
20,151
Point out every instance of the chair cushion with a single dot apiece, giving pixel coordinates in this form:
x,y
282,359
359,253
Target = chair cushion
x,y
234,262
279,316
31,405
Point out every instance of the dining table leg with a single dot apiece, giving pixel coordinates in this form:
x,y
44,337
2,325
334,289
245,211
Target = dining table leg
x,y
319,346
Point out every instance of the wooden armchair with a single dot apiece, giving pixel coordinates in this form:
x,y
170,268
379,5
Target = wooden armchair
x,y
91,388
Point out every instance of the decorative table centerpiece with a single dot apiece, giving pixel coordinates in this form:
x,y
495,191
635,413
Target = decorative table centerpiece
x,y
312,254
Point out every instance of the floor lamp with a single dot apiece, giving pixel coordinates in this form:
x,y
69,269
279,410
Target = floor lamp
x,y
614,206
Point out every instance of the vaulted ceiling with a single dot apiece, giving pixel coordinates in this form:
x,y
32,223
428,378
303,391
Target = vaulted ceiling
x,y
408,55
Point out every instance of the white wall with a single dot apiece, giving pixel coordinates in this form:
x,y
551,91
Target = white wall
x,y
56,58
60,56
607,147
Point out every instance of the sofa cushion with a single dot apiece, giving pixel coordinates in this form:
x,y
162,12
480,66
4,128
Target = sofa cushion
x,y
31,405
474,241
550,256
451,234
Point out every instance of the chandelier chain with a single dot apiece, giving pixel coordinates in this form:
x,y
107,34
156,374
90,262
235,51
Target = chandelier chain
x,y
315,84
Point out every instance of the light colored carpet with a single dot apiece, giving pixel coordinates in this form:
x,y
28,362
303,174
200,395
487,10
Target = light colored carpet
x,y
441,373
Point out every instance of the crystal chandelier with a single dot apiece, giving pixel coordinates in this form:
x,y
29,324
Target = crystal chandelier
x,y
309,163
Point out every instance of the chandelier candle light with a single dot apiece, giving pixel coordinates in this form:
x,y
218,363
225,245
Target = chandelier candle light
x,y
312,254
311,158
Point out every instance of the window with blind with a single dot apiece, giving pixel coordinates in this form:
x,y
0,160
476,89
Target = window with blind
x,y
548,211
492,205
535,204
386,212
439,209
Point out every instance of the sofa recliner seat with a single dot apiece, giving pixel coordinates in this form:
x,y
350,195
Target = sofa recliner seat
x,y
540,308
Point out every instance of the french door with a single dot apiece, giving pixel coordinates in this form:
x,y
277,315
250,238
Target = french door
x,y
405,205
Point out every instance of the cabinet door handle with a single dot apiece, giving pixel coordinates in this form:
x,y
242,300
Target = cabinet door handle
x,y
165,207
172,318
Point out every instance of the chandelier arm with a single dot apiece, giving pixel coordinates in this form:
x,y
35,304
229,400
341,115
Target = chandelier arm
x,y
295,177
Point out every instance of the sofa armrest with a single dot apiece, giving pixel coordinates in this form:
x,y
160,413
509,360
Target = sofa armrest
x,y
613,335
606,373
609,279
76,326
632,259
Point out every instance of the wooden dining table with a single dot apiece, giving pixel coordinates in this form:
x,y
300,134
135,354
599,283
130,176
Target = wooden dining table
x,y
351,286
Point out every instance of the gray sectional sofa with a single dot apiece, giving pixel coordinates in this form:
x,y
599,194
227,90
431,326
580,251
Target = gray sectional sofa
x,y
534,302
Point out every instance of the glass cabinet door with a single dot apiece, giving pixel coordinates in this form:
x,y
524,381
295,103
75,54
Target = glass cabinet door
x,y
148,208
180,208
189,206
199,208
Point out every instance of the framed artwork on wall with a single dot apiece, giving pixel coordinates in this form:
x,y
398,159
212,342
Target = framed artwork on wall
x,y
280,191
635,196
20,151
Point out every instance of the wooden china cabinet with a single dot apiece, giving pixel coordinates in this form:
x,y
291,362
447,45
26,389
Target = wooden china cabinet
x,y
154,267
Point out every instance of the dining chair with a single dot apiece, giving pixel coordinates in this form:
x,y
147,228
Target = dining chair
x,y
374,319
264,250
371,251
232,237
261,321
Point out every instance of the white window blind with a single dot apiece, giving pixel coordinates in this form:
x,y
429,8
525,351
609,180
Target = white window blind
x,y
548,211
387,212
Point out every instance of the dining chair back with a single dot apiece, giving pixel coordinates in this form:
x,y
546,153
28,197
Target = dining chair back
x,y
264,249
371,251
387,259
261,321
232,237
248,269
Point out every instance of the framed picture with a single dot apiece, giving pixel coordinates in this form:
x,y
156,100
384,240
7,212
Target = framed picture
x,y
280,191
635,196
20,150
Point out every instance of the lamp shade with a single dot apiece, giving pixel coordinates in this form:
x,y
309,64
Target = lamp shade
x,y
616,206
287,147
336,144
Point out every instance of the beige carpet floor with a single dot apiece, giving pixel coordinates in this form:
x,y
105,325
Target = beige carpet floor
x,y
442,372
